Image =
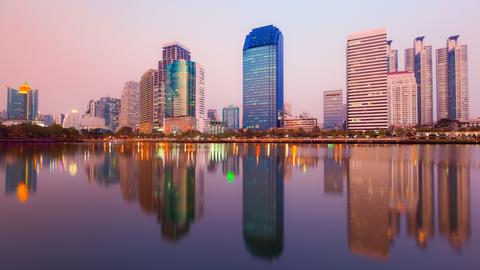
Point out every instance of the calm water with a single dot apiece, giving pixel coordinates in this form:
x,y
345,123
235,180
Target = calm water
x,y
239,206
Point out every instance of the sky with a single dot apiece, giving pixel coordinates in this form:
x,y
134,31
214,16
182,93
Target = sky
x,y
77,50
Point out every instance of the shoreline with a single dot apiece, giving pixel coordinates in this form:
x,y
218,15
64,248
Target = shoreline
x,y
256,140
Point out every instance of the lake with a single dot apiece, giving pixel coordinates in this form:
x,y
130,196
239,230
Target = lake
x,y
239,206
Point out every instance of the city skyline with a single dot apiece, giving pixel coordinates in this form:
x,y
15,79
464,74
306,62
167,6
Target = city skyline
x,y
303,88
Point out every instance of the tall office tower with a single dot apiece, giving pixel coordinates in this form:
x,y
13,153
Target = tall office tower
x,y
146,102
185,93
402,99
392,57
171,53
367,104
22,104
419,61
263,78
333,109
212,115
452,81
231,117
129,105
108,108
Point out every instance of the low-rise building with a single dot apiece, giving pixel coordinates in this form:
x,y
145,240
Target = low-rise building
x,y
302,122
180,124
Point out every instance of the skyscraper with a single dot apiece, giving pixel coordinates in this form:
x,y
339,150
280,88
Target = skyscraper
x,y
452,81
402,99
22,104
263,78
146,101
108,108
231,117
392,57
332,109
129,105
185,92
367,105
419,61
171,52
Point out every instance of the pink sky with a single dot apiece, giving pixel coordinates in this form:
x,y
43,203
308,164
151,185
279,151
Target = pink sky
x,y
73,51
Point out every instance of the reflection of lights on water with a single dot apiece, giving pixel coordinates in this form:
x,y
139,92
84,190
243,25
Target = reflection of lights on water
x,y
22,193
72,169
230,177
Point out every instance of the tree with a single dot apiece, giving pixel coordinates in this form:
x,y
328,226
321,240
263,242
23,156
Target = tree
x,y
126,132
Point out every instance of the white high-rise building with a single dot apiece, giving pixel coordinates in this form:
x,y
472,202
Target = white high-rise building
x,y
452,81
419,61
392,57
130,105
367,104
402,99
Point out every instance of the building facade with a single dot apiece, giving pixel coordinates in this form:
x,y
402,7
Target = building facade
x,y
367,104
171,52
145,105
305,123
22,104
129,108
392,57
231,117
419,61
185,92
402,99
263,79
333,109
452,81
108,108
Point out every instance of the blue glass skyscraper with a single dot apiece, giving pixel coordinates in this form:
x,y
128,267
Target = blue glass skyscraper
x,y
263,79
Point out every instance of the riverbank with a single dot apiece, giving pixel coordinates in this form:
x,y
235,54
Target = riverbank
x,y
256,140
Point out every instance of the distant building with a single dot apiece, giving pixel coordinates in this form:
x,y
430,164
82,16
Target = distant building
x,y
129,105
419,61
231,117
108,108
22,104
185,92
452,81
72,120
3,115
90,122
180,124
306,123
58,118
146,102
212,115
47,119
392,58
263,79
402,99
333,109
367,106
216,127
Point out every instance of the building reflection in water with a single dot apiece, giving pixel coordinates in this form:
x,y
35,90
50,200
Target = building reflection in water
x,y
21,178
169,184
385,184
389,188
263,181
454,196
334,169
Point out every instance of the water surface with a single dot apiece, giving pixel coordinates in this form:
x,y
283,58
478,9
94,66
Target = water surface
x,y
239,206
